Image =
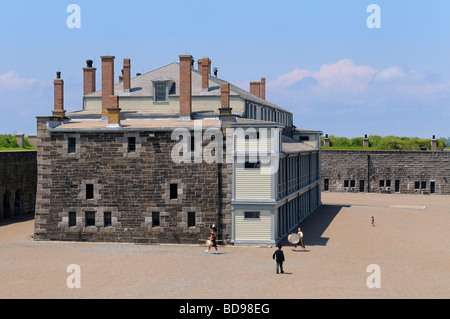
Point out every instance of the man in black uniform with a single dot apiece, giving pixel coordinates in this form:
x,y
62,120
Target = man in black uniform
x,y
279,256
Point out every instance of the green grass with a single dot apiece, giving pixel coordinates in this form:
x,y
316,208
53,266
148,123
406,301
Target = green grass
x,y
16,149
391,143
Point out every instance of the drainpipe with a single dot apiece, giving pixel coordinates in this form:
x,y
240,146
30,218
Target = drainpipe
x,y
368,173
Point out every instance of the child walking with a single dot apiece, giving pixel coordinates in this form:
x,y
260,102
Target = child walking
x,y
212,238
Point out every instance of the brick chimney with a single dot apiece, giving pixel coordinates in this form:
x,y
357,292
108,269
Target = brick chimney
x,y
185,87
255,88
58,84
113,112
206,71
225,110
199,62
89,78
107,83
126,75
263,88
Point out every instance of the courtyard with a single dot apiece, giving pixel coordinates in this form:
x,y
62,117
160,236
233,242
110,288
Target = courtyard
x,y
410,243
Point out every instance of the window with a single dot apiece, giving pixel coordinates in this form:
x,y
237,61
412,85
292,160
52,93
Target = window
x,y
131,144
346,183
107,220
252,135
89,191
191,219
381,183
326,185
416,185
160,92
155,219
72,219
388,183
173,89
423,185
304,138
90,219
352,183
193,143
173,191
251,215
252,165
72,145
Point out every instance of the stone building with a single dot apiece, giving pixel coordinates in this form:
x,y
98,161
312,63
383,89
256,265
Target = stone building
x,y
402,172
163,156
18,176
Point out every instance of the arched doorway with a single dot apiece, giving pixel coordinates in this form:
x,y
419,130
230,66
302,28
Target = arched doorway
x,y
18,203
7,207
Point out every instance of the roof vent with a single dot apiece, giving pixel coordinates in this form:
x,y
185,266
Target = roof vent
x,y
215,72
89,63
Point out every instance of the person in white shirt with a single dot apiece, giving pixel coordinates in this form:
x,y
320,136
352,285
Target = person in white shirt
x,y
300,236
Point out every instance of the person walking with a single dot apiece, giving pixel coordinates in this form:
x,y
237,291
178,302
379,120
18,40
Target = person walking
x,y
373,221
212,239
278,255
300,236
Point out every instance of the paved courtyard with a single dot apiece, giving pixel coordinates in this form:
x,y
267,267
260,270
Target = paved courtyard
x,y
410,243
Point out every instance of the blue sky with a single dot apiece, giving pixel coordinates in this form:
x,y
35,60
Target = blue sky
x,y
321,60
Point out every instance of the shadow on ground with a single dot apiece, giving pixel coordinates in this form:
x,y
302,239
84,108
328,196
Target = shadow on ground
x,y
15,220
315,225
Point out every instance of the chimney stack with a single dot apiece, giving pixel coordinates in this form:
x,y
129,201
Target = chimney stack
x,y
366,141
107,83
126,75
206,71
263,88
199,62
113,112
255,88
185,87
225,110
326,141
121,77
58,84
89,78
434,144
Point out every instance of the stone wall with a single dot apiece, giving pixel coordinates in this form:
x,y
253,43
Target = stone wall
x,y
18,176
406,172
130,187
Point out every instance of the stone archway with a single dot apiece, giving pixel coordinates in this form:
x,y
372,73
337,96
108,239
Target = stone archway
x,y
7,205
18,203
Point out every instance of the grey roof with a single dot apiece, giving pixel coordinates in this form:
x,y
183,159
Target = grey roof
x,y
289,145
245,121
142,85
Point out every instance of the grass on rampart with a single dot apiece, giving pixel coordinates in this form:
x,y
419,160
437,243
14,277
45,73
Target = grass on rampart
x,y
9,143
392,143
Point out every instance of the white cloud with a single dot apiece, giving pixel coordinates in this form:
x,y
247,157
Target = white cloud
x,y
11,80
345,98
343,75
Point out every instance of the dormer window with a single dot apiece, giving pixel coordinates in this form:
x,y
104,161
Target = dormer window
x,y
160,92
162,89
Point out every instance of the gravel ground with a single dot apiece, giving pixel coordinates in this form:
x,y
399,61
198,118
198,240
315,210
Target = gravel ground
x,y
410,243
